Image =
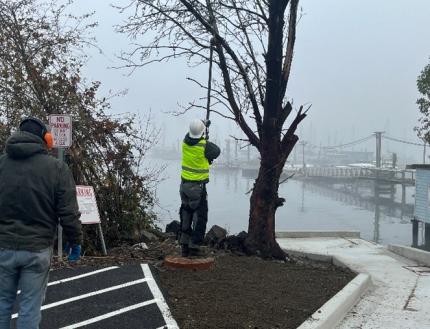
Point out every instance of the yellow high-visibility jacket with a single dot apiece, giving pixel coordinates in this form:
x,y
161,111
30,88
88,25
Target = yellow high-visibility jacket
x,y
195,166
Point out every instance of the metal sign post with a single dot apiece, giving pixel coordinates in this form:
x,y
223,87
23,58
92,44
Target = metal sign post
x,y
60,156
61,130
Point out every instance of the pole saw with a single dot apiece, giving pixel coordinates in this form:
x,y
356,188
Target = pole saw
x,y
208,104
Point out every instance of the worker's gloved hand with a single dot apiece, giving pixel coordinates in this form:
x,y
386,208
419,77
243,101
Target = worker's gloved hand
x,y
75,253
207,123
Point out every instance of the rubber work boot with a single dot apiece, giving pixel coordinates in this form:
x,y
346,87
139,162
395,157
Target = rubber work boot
x,y
185,250
195,250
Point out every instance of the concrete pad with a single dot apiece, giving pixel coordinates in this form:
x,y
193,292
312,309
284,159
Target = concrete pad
x,y
338,306
420,256
399,298
317,234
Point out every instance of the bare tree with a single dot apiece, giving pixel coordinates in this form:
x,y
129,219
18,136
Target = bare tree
x,y
253,46
41,58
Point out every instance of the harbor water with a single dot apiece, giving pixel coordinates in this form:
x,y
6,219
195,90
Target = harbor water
x,y
310,205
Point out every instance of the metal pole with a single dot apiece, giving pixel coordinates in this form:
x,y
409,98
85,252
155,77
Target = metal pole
x,y
378,135
377,214
303,157
427,235
227,145
236,151
414,233
424,153
208,104
60,156
403,195
295,156
102,239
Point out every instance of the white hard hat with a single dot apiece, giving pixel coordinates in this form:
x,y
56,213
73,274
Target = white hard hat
x,y
197,128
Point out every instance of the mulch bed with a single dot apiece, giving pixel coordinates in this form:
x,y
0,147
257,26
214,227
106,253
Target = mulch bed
x,y
238,291
248,292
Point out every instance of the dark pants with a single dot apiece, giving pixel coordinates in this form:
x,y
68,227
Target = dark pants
x,y
193,212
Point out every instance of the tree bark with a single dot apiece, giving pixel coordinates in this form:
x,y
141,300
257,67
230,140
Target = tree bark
x,y
264,202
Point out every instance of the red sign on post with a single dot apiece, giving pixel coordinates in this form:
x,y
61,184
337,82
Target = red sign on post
x,y
61,129
87,205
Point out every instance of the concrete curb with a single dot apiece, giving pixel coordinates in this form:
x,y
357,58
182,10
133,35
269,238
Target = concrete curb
x,y
334,310
338,306
318,234
319,258
420,256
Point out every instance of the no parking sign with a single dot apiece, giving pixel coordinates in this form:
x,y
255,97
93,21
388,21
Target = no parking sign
x,y
61,130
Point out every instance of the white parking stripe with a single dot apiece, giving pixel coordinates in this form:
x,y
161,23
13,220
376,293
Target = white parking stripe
x,y
94,293
77,277
161,303
72,278
109,315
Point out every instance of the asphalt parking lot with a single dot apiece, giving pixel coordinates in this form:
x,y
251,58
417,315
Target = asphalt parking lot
x,y
109,298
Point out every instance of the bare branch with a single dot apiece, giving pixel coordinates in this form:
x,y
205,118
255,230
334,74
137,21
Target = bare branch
x,y
290,46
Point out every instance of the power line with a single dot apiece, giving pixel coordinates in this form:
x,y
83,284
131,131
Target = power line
x,y
358,141
402,141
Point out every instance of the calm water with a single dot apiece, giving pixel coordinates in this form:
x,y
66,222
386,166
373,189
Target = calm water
x,y
309,206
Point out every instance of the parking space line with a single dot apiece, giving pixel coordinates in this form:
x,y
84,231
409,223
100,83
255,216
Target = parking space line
x,y
94,293
72,278
161,303
109,315
77,277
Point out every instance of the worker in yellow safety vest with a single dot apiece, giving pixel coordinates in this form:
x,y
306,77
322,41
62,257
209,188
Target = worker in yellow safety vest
x,y
197,155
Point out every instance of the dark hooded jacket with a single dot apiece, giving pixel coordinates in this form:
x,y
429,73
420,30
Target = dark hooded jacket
x,y
37,192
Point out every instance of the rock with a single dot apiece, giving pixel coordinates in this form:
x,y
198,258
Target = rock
x,y
242,236
215,235
157,233
173,227
147,236
141,245
235,243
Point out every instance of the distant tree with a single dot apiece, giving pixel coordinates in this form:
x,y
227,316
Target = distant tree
x,y
41,57
253,47
423,84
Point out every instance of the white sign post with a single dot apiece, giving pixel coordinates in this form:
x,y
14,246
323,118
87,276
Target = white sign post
x,y
89,211
61,130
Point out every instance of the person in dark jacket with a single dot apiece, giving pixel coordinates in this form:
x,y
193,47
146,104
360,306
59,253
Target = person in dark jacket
x,y
197,155
37,192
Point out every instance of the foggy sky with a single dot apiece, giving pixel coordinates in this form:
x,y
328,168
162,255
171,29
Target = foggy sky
x,y
355,61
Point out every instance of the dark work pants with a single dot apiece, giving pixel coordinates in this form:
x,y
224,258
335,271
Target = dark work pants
x,y
193,212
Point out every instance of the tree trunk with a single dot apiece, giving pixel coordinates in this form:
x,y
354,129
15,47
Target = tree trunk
x,y
263,205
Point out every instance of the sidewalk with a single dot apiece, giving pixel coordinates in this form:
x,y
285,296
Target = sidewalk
x,y
400,295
